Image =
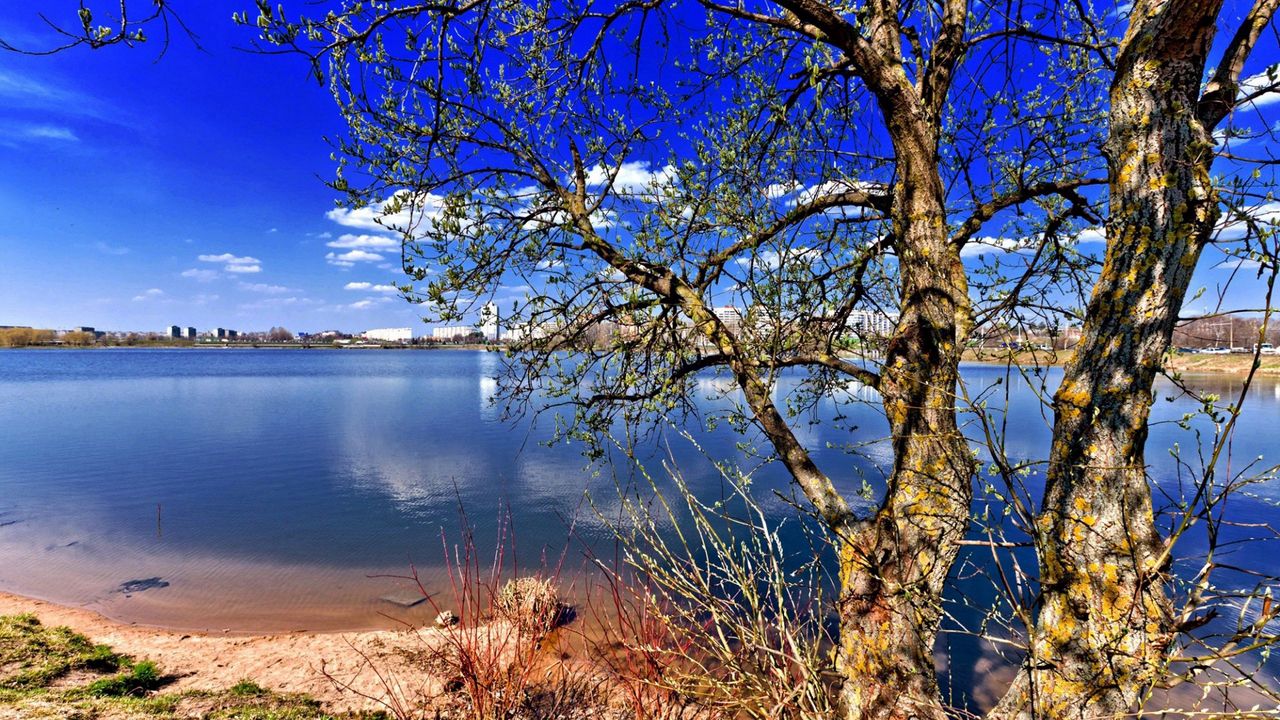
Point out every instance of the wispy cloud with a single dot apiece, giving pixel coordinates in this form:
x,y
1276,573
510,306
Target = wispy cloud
x,y
200,274
277,302
266,289
370,287
229,259
150,294
25,91
234,264
1238,264
368,303
106,249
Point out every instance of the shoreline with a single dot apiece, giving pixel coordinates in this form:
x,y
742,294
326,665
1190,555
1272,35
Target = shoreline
x,y
294,662
1192,364
1237,364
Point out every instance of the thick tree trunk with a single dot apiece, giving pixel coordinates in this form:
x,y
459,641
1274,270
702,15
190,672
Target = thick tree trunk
x,y
893,568
1104,625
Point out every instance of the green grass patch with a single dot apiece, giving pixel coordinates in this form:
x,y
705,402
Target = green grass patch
x,y
33,655
248,688
142,678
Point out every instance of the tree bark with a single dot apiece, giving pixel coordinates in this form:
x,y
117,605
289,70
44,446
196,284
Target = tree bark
x,y
893,569
1105,624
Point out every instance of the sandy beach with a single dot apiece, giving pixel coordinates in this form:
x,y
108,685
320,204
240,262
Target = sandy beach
x,y
292,663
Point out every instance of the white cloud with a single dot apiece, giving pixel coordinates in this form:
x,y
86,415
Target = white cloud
x,y
368,303
363,241
200,274
370,287
377,216
265,289
273,230
1092,235
1233,227
229,259
986,245
1238,264
149,294
547,219
831,187
348,259
781,190
1266,80
632,177
234,264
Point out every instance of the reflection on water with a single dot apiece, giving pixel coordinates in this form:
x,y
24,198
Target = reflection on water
x,y
270,488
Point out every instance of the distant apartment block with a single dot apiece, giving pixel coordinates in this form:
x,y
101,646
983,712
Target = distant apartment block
x,y
175,331
390,334
189,333
729,315
220,333
489,318
450,332
869,323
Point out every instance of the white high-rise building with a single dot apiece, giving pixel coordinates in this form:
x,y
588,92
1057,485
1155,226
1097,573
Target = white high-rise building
x,y
728,314
489,321
869,323
403,334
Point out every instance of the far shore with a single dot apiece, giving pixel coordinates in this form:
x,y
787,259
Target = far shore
x,y
1181,363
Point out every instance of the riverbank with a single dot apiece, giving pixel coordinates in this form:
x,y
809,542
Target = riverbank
x,y
62,662
1183,363
292,663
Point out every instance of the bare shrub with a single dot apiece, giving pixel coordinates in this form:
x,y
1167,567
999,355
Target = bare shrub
x,y
529,602
712,614
494,655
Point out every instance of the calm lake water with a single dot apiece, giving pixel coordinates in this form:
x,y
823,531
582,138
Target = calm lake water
x,y
274,490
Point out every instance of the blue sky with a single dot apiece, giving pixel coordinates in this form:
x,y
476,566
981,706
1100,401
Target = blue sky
x,y
138,192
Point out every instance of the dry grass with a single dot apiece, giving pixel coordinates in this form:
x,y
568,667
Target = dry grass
x,y
529,602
